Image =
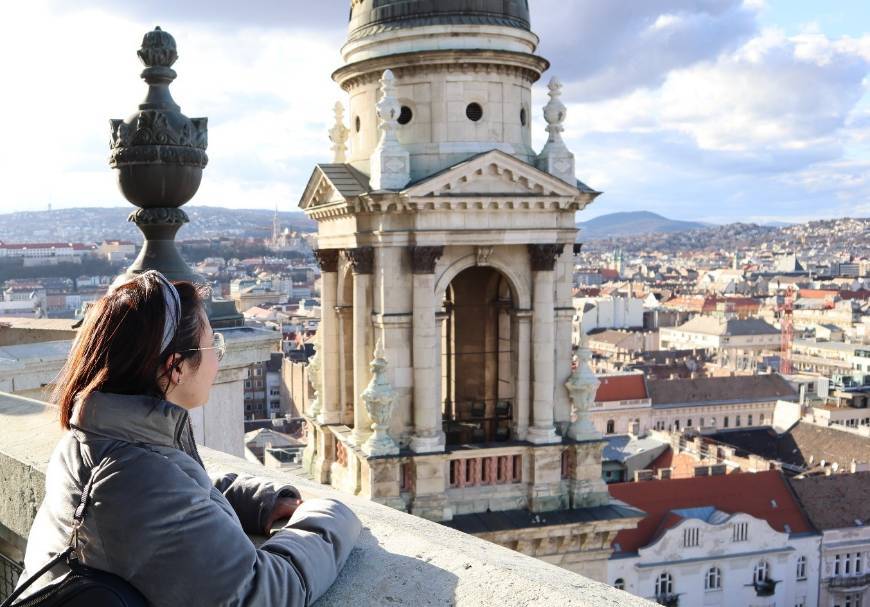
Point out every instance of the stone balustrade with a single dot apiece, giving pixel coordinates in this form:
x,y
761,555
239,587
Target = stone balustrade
x,y
399,559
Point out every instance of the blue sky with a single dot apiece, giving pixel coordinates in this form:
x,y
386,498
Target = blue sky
x,y
712,110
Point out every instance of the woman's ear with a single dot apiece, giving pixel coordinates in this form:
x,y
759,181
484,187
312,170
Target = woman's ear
x,y
172,370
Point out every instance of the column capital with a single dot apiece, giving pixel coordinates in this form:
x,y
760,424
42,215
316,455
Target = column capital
x,y
362,259
543,256
423,259
327,259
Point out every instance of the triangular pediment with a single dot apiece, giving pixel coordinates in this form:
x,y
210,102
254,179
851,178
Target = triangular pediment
x,y
333,183
493,174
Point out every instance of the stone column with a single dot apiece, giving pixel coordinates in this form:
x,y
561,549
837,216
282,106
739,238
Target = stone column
x,y
330,402
362,263
524,359
543,261
428,434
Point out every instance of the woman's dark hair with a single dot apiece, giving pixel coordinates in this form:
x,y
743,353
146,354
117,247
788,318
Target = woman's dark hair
x,y
117,349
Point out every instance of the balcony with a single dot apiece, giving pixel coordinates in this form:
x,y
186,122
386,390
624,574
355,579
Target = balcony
x,y
765,588
399,559
849,583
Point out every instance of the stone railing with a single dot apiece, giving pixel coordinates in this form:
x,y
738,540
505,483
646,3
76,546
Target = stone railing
x,y
399,559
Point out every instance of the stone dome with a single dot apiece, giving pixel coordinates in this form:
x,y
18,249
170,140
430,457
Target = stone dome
x,y
369,17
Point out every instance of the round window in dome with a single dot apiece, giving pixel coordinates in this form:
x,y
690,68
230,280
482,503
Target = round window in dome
x,y
474,112
405,115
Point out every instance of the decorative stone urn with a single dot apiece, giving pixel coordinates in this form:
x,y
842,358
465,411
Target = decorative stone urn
x,y
314,376
582,387
158,154
378,398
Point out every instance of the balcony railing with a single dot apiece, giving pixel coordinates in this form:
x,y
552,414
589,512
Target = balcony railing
x,y
9,572
849,581
398,556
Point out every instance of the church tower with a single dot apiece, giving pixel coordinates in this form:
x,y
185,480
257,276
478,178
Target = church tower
x,y
443,379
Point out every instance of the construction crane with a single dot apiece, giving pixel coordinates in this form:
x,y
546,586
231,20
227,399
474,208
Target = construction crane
x,y
787,323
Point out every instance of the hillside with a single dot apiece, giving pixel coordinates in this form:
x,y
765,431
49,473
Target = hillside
x,y
632,223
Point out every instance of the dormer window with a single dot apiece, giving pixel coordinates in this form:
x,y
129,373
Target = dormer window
x,y
474,112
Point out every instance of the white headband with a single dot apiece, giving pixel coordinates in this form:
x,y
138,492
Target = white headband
x,y
172,305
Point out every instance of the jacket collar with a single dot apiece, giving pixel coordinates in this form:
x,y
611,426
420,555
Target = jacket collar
x,y
133,419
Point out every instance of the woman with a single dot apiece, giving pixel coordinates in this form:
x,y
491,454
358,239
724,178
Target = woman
x,y
144,357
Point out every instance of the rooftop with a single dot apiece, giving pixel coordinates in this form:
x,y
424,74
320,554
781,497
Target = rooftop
x,y
804,445
764,495
731,327
621,387
712,390
838,501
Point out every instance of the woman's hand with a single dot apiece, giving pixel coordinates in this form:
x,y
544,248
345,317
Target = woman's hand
x,y
284,508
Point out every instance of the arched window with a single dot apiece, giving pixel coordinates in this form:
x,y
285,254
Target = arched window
x,y
664,584
713,580
611,426
619,584
801,568
762,572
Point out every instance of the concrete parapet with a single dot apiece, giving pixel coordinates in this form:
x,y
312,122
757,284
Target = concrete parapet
x,y
400,559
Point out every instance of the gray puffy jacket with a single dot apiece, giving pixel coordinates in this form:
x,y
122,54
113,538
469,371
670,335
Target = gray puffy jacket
x,y
157,520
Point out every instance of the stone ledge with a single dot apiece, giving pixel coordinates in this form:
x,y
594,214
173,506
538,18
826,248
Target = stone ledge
x,y
399,559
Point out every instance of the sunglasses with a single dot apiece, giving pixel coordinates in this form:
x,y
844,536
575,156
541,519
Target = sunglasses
x,y
218,344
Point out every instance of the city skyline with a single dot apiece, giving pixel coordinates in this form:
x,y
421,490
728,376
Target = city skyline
x,y
720,111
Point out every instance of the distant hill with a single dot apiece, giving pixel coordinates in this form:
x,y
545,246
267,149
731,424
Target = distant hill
x,y
94,224
633,223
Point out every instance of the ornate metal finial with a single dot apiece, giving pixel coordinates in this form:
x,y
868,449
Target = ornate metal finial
x,y
314,376
555,158
338,135
582,387
390,162
378,398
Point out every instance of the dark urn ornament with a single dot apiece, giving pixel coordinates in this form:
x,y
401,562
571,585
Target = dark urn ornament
x,y
159,154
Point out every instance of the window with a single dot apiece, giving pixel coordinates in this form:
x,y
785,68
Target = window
x,y
749,419
740,532
619,584
713,580
802,568
762,572
761,419
474,112
737,421
611,426
836,564
725,422
689,423
691,537
800,601
357,124
405,115
523,117
847,564
848,600
676,424
858,563
664,584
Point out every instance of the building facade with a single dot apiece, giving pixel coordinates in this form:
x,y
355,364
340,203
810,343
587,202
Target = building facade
x,y
738,540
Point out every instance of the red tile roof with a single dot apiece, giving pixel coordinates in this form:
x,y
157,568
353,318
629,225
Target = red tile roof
x,y
621,387
753,494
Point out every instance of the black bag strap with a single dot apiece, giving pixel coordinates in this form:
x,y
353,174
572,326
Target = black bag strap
x,y
70,554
